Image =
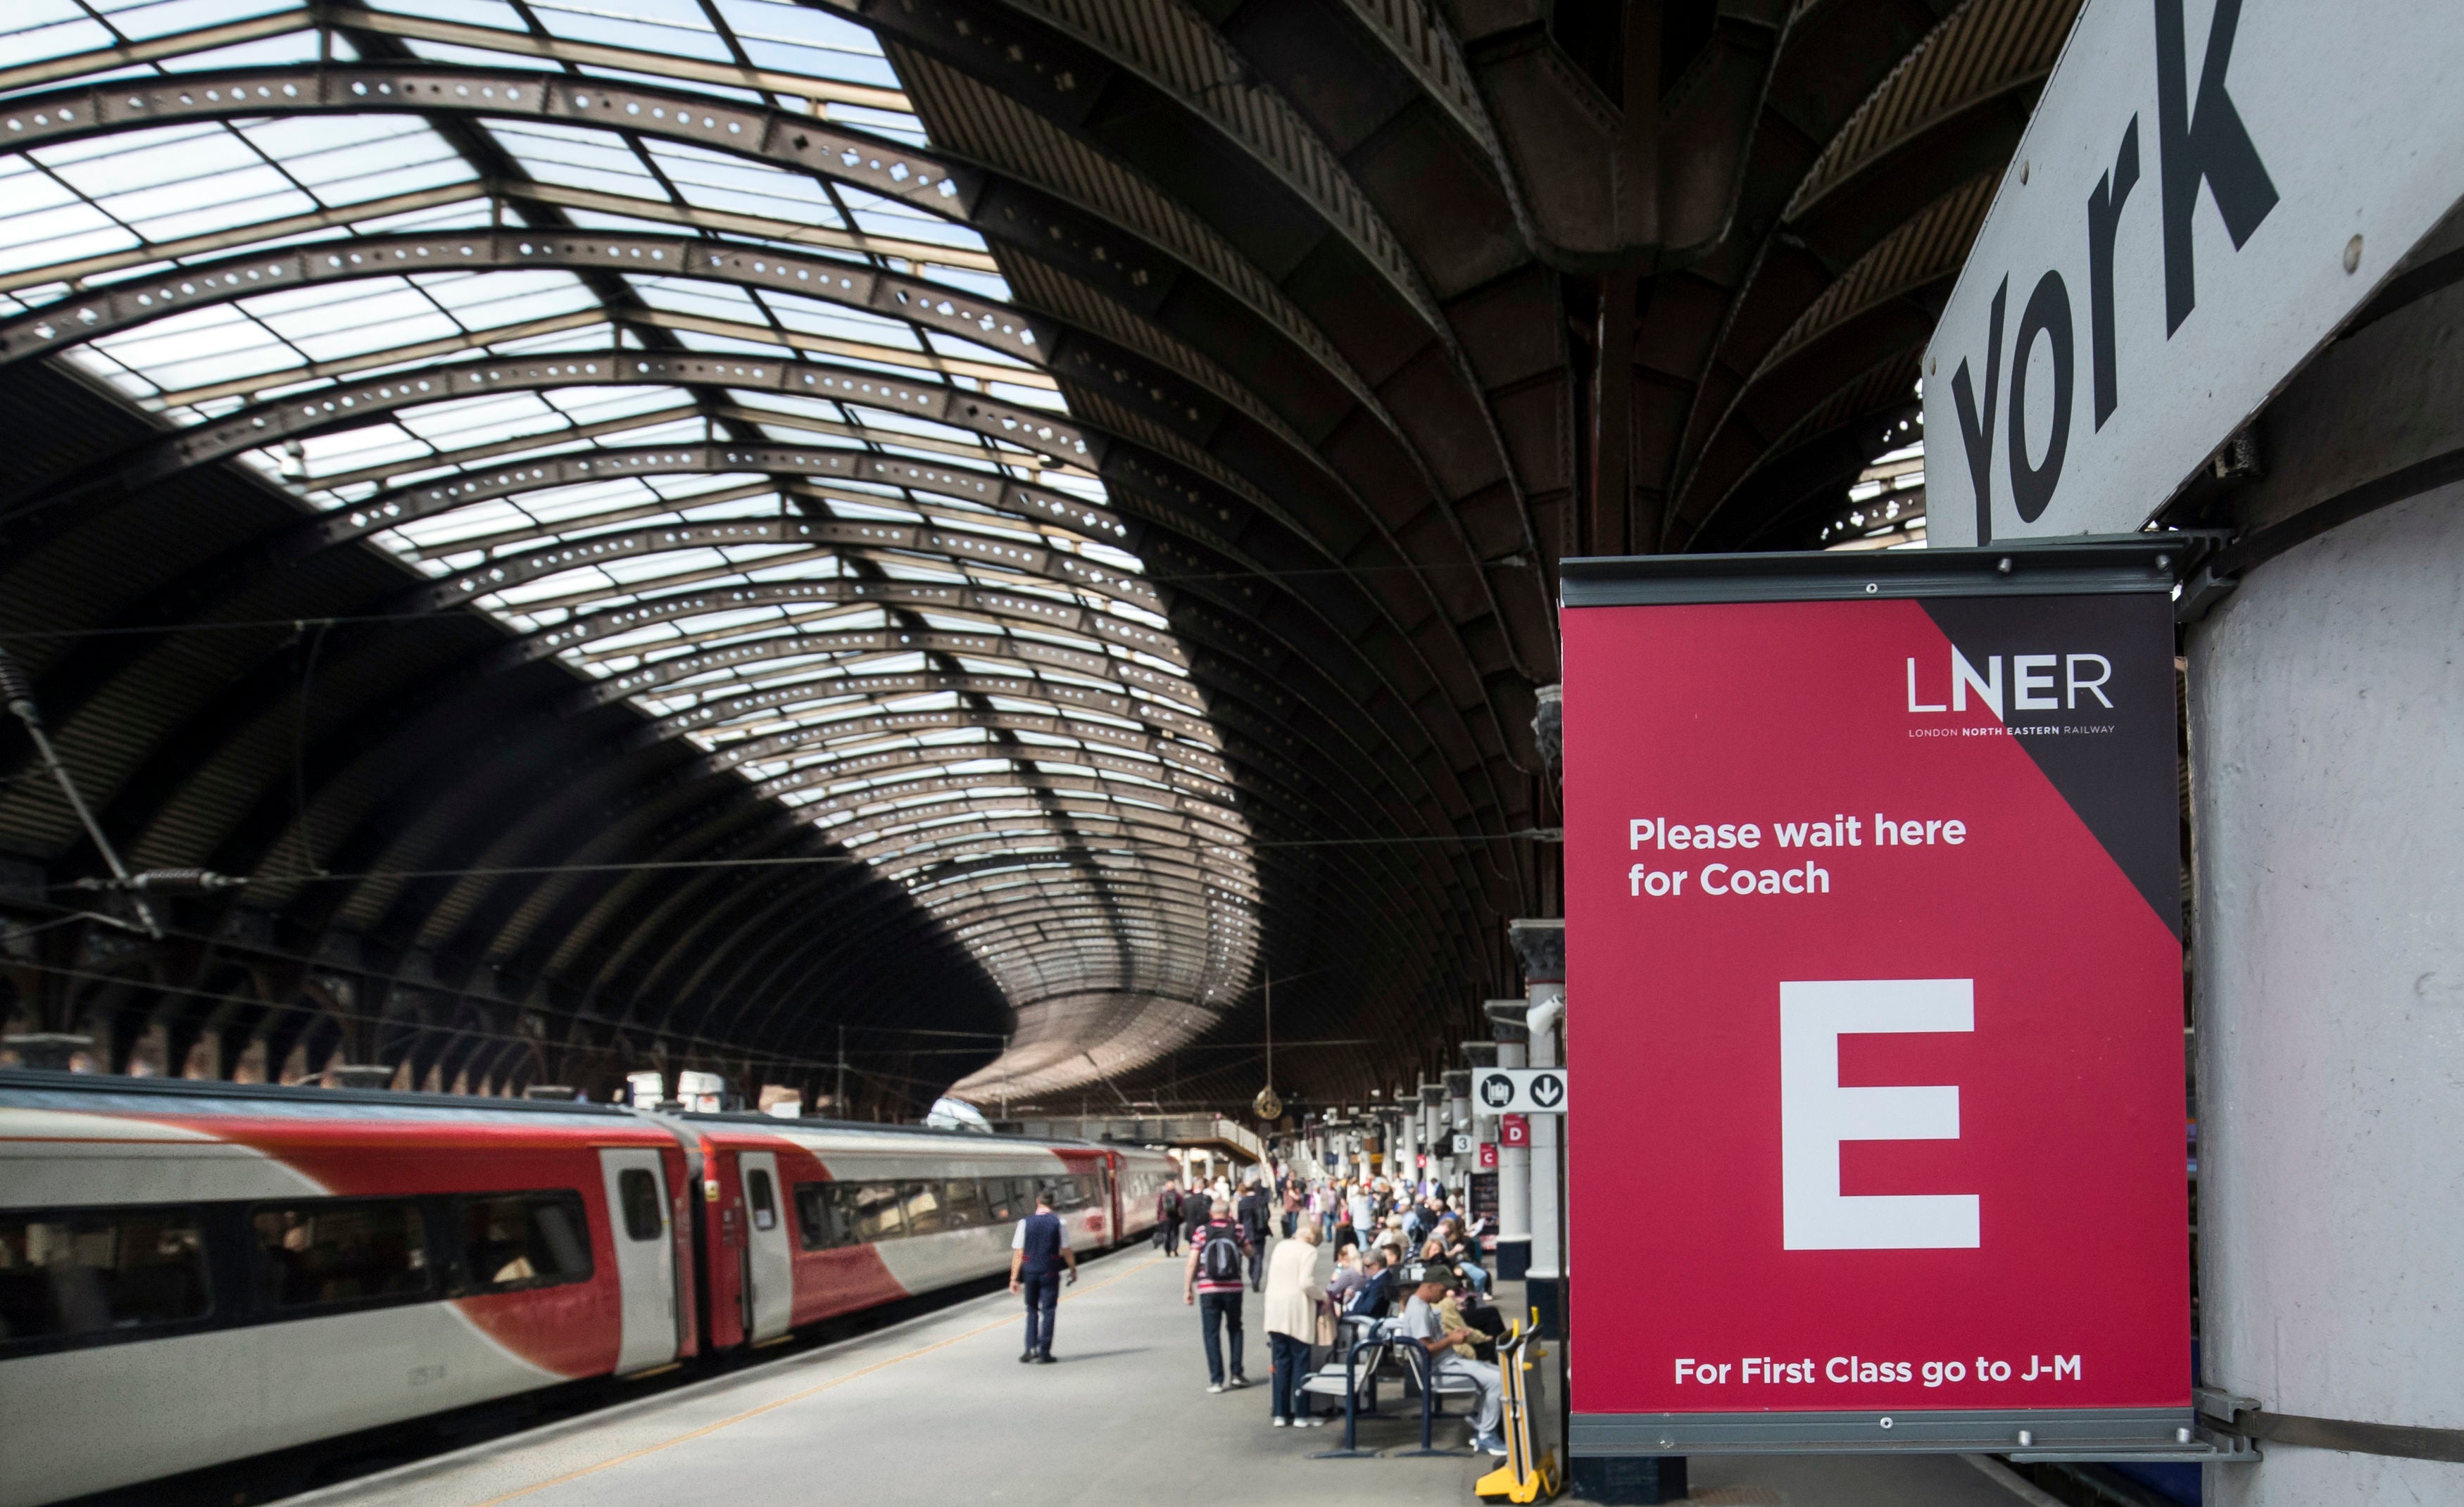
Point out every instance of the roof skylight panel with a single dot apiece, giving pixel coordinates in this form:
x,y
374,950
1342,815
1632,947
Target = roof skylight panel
x,y
41,28
196,346
474,12
37,234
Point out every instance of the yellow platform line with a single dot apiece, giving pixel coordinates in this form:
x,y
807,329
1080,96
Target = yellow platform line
x,y
795,1397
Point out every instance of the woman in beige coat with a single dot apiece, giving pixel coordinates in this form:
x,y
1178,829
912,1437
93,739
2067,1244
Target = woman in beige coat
x,y
1292,1300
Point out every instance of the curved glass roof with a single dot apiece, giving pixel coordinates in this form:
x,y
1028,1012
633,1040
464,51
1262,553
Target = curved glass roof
x,y
763,452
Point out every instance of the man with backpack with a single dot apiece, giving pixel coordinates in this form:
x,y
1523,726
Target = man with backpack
x,y
1168,1219
1253,1216
1212,1280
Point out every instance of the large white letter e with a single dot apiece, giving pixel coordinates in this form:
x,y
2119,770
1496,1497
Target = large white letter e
x,y
1815,1114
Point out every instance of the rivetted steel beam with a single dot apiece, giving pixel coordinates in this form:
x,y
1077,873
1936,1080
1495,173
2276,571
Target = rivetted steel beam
x,y
506,571
1033,430
725,710
1032,219
886,168
862,730
1203,821
872,641
120,306
1159,392
1204,815
998,494
965,817
997,875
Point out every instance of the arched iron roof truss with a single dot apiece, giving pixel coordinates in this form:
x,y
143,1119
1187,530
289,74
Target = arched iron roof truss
x,y
947,587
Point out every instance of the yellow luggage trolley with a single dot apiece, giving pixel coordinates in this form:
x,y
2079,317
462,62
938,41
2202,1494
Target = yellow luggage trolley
x,y
1524,1477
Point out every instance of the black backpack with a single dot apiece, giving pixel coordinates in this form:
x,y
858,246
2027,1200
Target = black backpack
x,y
1219,1260
1171,1203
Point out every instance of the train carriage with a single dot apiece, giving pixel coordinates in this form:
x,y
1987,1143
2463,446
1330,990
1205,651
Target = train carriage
x,y
198,1273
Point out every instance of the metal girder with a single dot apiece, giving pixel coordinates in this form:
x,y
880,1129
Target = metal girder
x,y
860,731
1206,882
873,640
347,404
885,168
1158,391
948,793
996,921
725,710
1172,780
1036,221
820,535
902,831
985,488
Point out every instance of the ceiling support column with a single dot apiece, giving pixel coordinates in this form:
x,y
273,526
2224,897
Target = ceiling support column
x,y
1606,523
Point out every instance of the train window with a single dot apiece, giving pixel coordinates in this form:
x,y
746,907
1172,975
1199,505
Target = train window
x,y
824,1221
513,1241
1021,1195
638,1190
998,1204
334,1251
65,1273
924,1212
962,1205
764,1200
878,1215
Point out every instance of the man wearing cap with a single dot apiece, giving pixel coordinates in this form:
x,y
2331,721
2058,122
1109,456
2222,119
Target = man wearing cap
x,y
1036,1253
1423,1328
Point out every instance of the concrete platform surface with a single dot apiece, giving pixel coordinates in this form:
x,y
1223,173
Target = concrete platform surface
x,y
938,1411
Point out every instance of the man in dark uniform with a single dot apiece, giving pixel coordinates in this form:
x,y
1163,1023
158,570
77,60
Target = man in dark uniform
x,y
1037,1255
1252,1211
1168,1218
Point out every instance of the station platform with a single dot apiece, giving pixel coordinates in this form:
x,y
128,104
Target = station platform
x,y
938,1409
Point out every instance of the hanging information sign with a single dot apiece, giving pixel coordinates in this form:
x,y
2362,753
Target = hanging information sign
x,y
1873,906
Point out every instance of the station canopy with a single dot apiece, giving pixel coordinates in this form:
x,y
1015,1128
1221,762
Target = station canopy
x,y
668,528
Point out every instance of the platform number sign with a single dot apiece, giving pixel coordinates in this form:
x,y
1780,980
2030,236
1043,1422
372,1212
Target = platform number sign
x,y
1521,1091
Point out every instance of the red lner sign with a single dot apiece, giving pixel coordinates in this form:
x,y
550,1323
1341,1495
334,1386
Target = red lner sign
x,y
1873,914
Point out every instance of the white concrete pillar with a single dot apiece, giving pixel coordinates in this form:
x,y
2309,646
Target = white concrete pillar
x,y
1541,946
2326,698
1513,1162
1458,1118
2327,747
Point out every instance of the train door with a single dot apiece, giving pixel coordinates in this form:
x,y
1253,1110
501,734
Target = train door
x,y
769,1261
646,1256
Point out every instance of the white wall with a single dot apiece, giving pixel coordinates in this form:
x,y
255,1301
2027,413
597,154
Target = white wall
x,y
2327,758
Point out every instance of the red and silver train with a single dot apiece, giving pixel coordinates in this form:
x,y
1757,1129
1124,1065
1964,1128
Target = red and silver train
x,y
196,1273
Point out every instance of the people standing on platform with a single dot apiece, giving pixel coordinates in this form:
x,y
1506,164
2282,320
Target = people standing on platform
x,y
1251,1211
1037,1255
1295,1202
1168,1219
1212,1280
1363,1207
1194,1211
1292,1304
1422,1325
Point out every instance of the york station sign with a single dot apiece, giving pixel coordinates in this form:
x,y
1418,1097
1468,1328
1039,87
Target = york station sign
x,y
1873,922
2207,189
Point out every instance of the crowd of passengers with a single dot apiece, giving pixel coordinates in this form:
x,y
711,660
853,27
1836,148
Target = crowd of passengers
x,y
1402,1251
